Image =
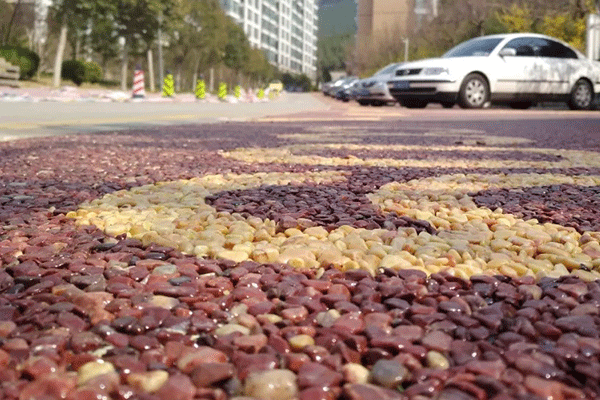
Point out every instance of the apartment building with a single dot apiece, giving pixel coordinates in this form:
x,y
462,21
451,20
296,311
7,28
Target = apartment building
x,y
286,30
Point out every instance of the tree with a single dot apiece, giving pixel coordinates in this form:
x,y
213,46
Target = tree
x,y
210,49
569,25
563,21
258,68
517,18
16,21
186,34
332,53
70,13
137,21
104,41
237,49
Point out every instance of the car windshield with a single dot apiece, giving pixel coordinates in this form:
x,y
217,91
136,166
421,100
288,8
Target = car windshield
x,y
386,70
474,48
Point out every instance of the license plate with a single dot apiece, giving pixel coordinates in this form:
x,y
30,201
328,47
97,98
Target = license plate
x,y
401,85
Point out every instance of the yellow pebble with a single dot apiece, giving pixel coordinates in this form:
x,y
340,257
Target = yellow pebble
x,y
299,342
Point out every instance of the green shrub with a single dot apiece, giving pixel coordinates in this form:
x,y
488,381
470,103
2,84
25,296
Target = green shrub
x,y
27,60
93,72
73,70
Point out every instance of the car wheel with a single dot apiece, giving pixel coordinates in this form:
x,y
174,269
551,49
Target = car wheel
x,y
474,92
520,105
364,102
447,104
413,103
582,96
378,103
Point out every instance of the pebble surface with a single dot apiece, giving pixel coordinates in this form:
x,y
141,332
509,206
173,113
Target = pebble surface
x,y
198,263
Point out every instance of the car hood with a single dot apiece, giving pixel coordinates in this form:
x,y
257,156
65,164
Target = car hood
x,y
367,82
450,62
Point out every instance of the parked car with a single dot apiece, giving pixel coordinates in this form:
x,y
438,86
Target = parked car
x,y
337,85
347,90
374,90
276,86
518,69
330,87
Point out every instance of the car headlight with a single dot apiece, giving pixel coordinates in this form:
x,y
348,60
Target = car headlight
x,y
436,71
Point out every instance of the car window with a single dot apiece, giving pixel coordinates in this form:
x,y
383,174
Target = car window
x,y
536,46
553,49
386,70
474,47
524,46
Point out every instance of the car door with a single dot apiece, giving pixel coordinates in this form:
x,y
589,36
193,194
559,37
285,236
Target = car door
x,y
560,63
519,75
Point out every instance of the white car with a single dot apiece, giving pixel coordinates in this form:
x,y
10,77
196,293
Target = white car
x,y
374,90
518,69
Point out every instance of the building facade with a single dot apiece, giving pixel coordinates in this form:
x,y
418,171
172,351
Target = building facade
x,y
286,31
376,19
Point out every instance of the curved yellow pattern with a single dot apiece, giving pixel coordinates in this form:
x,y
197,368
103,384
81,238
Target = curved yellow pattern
x,y
470,239
293,155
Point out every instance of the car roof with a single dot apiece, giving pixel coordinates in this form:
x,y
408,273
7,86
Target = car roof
x,y
514,35
525,34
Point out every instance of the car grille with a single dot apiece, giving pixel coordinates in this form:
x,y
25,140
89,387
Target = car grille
x,y
423,90
407,72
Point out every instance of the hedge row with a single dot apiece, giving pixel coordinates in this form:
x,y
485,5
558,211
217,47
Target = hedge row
x,y
81,71
23,58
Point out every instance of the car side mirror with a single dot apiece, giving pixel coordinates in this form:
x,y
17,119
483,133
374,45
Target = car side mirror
x,y
507,52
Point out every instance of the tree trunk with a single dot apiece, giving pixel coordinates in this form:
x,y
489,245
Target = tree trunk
x,y
151,71
77,45
10,23
178,79
60,51
212,79
195,76
124,62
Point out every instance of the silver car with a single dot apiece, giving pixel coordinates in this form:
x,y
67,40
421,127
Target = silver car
x,y
338,85
374,90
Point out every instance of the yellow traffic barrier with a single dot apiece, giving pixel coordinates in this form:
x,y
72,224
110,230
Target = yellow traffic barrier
x,y
261,94
200,89
168,89
237,92
222,90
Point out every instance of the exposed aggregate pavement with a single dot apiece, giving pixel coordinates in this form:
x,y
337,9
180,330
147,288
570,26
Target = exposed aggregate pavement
x,y
301,260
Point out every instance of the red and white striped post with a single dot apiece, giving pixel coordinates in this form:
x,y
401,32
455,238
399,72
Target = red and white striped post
x,y
139,90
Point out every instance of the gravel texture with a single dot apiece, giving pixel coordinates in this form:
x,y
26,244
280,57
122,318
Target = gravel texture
x,y
278,261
